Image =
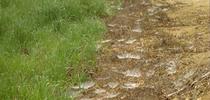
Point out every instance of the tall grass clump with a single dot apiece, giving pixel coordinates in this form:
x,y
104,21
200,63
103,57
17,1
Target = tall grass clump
x,y
46,45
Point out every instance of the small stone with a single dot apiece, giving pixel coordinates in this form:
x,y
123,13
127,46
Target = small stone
x,y
189,74
103,78
137,30
111,25
130,85
123,97
85,85
171,67
157,33
150,73
111,95
113,84
200,33
128,56
121,40
99,91
138,20
178,83
165,9
131,41
132,73
105,41
119,8
191,47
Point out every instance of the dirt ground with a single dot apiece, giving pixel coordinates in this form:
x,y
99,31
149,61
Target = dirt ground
x,y
154,50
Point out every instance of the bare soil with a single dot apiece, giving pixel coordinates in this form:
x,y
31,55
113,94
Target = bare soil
x,y
154,50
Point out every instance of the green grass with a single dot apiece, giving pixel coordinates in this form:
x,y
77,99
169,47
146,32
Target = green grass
x,y
41,40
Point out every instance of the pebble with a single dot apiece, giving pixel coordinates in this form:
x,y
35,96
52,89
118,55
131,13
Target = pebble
x,y
128,56
130,85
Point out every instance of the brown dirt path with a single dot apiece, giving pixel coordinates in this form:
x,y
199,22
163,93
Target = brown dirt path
x,y
154,50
